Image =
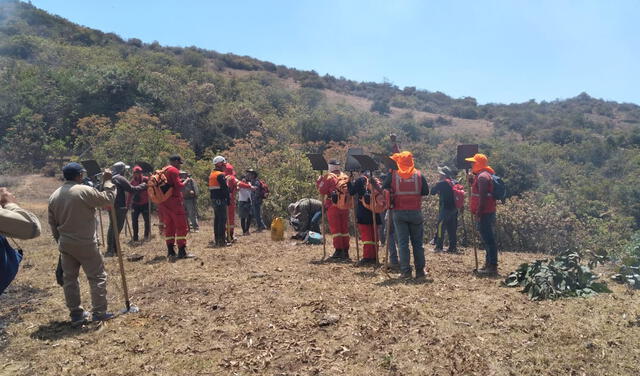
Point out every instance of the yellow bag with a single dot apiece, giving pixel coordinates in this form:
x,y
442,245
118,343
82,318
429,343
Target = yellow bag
x,y
277,229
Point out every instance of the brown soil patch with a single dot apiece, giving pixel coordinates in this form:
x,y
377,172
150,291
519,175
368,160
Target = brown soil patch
x,y
262,307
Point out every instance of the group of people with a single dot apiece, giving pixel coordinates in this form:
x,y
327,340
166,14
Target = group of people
x,y
72,208
396,198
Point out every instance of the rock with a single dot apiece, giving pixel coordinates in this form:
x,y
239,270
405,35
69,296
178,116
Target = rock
x,y
328,319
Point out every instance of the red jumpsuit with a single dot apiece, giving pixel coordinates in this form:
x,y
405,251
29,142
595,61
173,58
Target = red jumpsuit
x,y
172,212
338,218
232,184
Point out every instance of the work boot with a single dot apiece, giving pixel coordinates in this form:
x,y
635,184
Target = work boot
x,y
437,250
182,253
171,252
79,318
488,270
452,250
345,254
393,267
337,255
102,316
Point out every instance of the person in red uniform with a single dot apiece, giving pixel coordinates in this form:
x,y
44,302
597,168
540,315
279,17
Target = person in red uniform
x,y
232,184
483,207
361,188
174,216
139,203
337,208
408,185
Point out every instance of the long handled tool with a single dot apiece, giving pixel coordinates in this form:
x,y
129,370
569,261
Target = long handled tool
x,y
128,306
355,226
103,240
127,227
375,228
323,228
473,233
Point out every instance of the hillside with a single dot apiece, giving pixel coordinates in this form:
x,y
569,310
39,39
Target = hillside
x,y
272,310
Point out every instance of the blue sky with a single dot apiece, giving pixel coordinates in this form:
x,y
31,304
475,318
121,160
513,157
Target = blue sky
x,y
495,51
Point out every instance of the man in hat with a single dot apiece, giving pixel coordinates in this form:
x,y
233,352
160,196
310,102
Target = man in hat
x,y
219,194
139,202
120,205
258,194
172,211
483,207
73,226
338,202
448,213
408,185
190,194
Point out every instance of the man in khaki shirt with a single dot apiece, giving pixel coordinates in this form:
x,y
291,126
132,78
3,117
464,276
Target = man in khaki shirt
x,y
72,220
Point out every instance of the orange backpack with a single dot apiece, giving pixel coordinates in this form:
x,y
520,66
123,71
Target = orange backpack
x,y
345,201
158,187
378,202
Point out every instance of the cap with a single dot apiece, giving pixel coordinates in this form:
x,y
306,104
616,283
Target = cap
x,y
119,166
446,171
73,168
478,158
176,158
137,168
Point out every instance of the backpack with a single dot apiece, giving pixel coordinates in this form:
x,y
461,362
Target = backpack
x,y
343,199
158,187
377,197
458,194
9,263
499,192
264,189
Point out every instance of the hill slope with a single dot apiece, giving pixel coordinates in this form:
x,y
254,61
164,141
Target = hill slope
x,y
270,310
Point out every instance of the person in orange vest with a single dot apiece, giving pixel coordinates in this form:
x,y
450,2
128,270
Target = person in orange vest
x,y
219,194
174,216
232,184
338,202
361,188
407,186
483,207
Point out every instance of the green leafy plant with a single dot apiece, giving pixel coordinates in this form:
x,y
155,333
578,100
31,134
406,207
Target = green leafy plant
x,y
563,276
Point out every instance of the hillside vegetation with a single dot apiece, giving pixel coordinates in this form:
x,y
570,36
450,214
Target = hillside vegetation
x,y
572,166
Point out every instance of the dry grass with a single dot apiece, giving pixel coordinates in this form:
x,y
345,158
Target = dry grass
x,y
257,308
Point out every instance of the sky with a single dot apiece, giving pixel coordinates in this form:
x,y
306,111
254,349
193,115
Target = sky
x,y
495,51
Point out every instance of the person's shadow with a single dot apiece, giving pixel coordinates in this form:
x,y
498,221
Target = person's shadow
x,y
56,330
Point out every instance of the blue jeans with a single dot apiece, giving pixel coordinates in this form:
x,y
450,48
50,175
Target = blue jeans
x,y
315,222
393,252
487,232
257,214
409,226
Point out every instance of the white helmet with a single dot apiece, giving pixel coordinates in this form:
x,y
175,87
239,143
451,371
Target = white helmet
x,y
219,159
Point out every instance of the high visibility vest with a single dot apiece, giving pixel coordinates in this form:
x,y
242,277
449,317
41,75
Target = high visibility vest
x,y
407,192
490,203
213,179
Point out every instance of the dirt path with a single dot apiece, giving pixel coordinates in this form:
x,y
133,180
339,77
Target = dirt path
x,y
262,307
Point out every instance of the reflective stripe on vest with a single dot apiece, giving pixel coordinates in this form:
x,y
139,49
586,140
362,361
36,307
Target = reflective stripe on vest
x,y
369,242
337,235
399,180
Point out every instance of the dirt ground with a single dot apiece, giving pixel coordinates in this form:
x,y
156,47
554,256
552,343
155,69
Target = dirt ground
x,y
268,308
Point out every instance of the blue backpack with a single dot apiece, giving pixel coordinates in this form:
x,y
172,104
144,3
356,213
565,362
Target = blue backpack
x,y
9,263
499,188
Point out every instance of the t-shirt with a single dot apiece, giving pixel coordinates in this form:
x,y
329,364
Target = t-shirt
x,y
444,189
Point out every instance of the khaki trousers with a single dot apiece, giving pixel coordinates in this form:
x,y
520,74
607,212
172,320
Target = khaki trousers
x,y
89,258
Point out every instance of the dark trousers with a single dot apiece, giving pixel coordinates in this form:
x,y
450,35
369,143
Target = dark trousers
x,y
486,226
257,214
220,220
244,223
121,214
135,213
447,222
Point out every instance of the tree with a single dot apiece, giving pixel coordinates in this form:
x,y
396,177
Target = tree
x,y
25,141
381,106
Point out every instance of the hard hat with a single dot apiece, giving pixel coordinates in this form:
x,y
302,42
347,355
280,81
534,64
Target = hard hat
x,y
219,159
